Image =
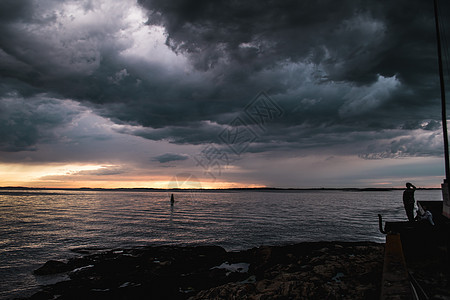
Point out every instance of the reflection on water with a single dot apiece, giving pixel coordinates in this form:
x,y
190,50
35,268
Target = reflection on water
x,y
171,216
36,227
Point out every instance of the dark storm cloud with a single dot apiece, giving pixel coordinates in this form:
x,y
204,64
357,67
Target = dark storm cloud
x,y
354,39
254,35
344,72
194,133
168,157
14,9
26,122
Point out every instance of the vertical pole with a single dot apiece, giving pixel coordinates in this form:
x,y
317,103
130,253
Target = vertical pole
x,y
441,81
445,191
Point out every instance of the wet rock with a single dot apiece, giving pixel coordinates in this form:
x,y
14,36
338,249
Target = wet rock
x,y
301,271
326,278
325,271
42,295
52,267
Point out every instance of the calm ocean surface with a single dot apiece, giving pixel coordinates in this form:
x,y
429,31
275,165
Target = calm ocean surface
x,y
36,226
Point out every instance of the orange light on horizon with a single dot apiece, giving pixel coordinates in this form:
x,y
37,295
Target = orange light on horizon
x,y
87,176
31,174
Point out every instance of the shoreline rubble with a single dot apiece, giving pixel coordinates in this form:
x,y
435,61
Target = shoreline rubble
x,y
308,270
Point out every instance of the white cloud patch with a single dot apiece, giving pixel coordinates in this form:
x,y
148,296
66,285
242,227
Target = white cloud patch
x,y
361,100
118,77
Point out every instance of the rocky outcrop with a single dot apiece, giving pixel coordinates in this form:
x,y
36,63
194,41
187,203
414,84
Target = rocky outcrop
x,y
333,272
323,270
52,267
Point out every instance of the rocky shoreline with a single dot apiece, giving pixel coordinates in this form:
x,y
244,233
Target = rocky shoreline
x,y
310,270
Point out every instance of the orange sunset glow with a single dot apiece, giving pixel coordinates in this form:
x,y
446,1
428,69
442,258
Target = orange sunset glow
x,y
79,176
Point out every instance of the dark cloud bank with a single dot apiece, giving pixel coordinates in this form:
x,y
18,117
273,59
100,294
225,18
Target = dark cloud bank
x,y
352,77
168,157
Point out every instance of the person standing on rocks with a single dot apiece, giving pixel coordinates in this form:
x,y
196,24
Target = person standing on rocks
x,y
408,200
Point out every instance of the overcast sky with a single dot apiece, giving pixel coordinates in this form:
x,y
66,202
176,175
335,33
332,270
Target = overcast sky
x,y
159,93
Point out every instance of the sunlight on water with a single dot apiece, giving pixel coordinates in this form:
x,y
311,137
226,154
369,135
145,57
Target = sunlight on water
x,y
36,227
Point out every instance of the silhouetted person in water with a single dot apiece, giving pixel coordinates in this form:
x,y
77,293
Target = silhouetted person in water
x,y
408,200
172,200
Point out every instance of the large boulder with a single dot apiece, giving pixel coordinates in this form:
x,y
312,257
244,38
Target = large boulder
x,y
52,267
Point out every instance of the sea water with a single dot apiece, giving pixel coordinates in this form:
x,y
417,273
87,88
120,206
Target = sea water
x,y
36,226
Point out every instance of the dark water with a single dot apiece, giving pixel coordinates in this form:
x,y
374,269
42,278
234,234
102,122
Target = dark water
x,y
36,227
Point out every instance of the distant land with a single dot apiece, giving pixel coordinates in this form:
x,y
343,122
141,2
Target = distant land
x,y
260,189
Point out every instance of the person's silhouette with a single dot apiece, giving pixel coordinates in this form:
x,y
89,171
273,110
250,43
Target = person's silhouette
x,y
172,200
408,200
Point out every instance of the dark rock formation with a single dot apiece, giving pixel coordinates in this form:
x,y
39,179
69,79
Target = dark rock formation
x,y
52,267
309,271
323,270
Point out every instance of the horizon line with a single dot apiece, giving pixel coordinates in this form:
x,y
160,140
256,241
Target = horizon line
x,y
217,189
